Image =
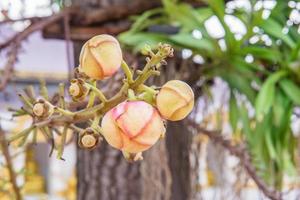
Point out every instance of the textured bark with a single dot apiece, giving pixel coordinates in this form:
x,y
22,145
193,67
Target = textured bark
x,y
178,144
104,174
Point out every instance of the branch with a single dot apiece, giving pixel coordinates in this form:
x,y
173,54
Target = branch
x,y
39,25
8,67
14,43
12,174
115,12
7,21
244,157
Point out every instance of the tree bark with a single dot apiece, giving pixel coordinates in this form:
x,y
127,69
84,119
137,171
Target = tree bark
x,y
178,144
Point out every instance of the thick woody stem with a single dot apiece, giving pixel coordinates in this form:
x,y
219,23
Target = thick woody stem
x,y
12,174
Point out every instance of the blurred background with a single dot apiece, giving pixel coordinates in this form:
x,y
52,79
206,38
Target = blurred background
x,y
241,57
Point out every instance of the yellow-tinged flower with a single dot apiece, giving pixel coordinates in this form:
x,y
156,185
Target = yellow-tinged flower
x,y
132,126
175,100
88,139
78,90
42,109
100,57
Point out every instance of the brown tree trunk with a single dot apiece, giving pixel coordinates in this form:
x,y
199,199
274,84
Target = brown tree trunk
x,y
178,143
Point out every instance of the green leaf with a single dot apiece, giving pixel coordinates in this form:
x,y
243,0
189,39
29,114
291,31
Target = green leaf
x,y
138,40
270,145
236,81
183,13
218,7
291,90
203,14
282,111
233,112
247,70
273,28
265,97
188,41
144,20
261,52
246,124
295,52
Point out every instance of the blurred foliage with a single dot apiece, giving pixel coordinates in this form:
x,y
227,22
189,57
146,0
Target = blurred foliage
x,y
269,79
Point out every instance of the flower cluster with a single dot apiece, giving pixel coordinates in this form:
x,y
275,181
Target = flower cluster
x,y
132,121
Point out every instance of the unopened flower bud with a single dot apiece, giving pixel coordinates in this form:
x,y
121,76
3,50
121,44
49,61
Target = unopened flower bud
x,y
100,57
42,109
175,100
78,90
88,139
132,126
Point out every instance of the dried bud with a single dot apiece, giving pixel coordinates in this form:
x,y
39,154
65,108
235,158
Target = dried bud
x,y
132,126
88,139
100,57
78,90
42,109
175,100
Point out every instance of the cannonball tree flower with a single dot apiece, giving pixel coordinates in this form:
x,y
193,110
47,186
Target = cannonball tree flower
x,y
42,109
100,57
175,100
132,126
78,91
88,139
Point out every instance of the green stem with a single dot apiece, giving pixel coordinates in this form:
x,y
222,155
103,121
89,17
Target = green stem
x,y
97,92
96,121
147,89
25,100
63,111
61,146
91,99
21,134
127,72
44,90
62,95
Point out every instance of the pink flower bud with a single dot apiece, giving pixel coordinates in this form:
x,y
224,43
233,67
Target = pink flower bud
x,y
132,126
175,100
100,57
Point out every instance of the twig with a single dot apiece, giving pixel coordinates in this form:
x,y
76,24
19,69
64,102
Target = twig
x,y
9,165
244,157
6,21
39,25
14,44
67,40
8,67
